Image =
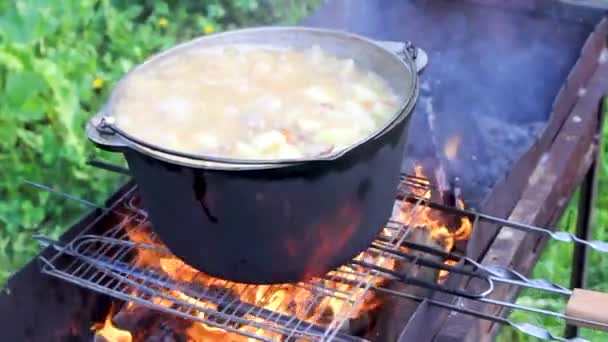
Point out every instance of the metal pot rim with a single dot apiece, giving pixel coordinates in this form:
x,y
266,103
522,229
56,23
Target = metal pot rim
x,y
107,133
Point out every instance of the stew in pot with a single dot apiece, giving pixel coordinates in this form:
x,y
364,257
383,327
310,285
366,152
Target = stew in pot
x,y
255,102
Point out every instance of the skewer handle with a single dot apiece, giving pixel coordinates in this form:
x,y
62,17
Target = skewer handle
x,y
590,306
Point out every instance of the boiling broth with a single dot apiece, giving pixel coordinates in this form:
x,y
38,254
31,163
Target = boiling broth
x,y
255,102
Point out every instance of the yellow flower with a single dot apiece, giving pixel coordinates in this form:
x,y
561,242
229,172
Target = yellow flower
x,y
163,22
98,83
208,28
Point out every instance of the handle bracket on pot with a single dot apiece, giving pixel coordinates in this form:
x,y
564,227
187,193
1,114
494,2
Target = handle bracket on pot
x,y
100,130
105,125
418,55
411,49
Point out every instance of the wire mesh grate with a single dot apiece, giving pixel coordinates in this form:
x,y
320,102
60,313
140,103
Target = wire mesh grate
x,y
314,310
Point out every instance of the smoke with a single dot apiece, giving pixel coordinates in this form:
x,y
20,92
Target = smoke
x,y
492,77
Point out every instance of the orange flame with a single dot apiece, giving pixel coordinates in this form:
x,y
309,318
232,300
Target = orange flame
x,y
423,191
450,150
424,217
288,299
109,332
443,274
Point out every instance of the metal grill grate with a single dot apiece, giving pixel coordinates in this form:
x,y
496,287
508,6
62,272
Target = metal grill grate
x,y
105,263
102,263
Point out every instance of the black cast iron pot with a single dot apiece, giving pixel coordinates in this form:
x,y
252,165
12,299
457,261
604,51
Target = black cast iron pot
x,y
272,221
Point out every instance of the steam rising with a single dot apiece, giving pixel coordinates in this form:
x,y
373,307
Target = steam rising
x,y
492,77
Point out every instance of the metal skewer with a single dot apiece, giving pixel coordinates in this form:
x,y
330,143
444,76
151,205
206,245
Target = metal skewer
x,y
600,246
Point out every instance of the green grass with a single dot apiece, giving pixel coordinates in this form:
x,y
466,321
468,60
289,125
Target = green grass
x,y
555,263
58,61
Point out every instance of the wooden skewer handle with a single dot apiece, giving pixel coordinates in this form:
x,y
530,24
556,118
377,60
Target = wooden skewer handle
x,y
588,305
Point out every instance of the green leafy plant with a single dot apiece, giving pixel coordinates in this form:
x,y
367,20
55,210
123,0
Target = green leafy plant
x,y
58,61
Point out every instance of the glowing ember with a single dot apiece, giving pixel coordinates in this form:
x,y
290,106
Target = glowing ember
x,y
292,300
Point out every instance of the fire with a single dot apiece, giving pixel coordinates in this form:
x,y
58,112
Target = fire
x,y
110,333
427,218
450,150
287,299
423,191
435,222
443,274
290,300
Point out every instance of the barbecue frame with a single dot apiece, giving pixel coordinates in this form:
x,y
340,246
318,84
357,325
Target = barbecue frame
x,y
101,262
59,309
565,157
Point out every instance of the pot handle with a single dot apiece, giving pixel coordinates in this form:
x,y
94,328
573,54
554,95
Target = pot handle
x,y
101,134
418,55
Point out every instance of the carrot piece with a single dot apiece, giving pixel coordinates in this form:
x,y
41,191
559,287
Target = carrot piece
x,y
287,134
